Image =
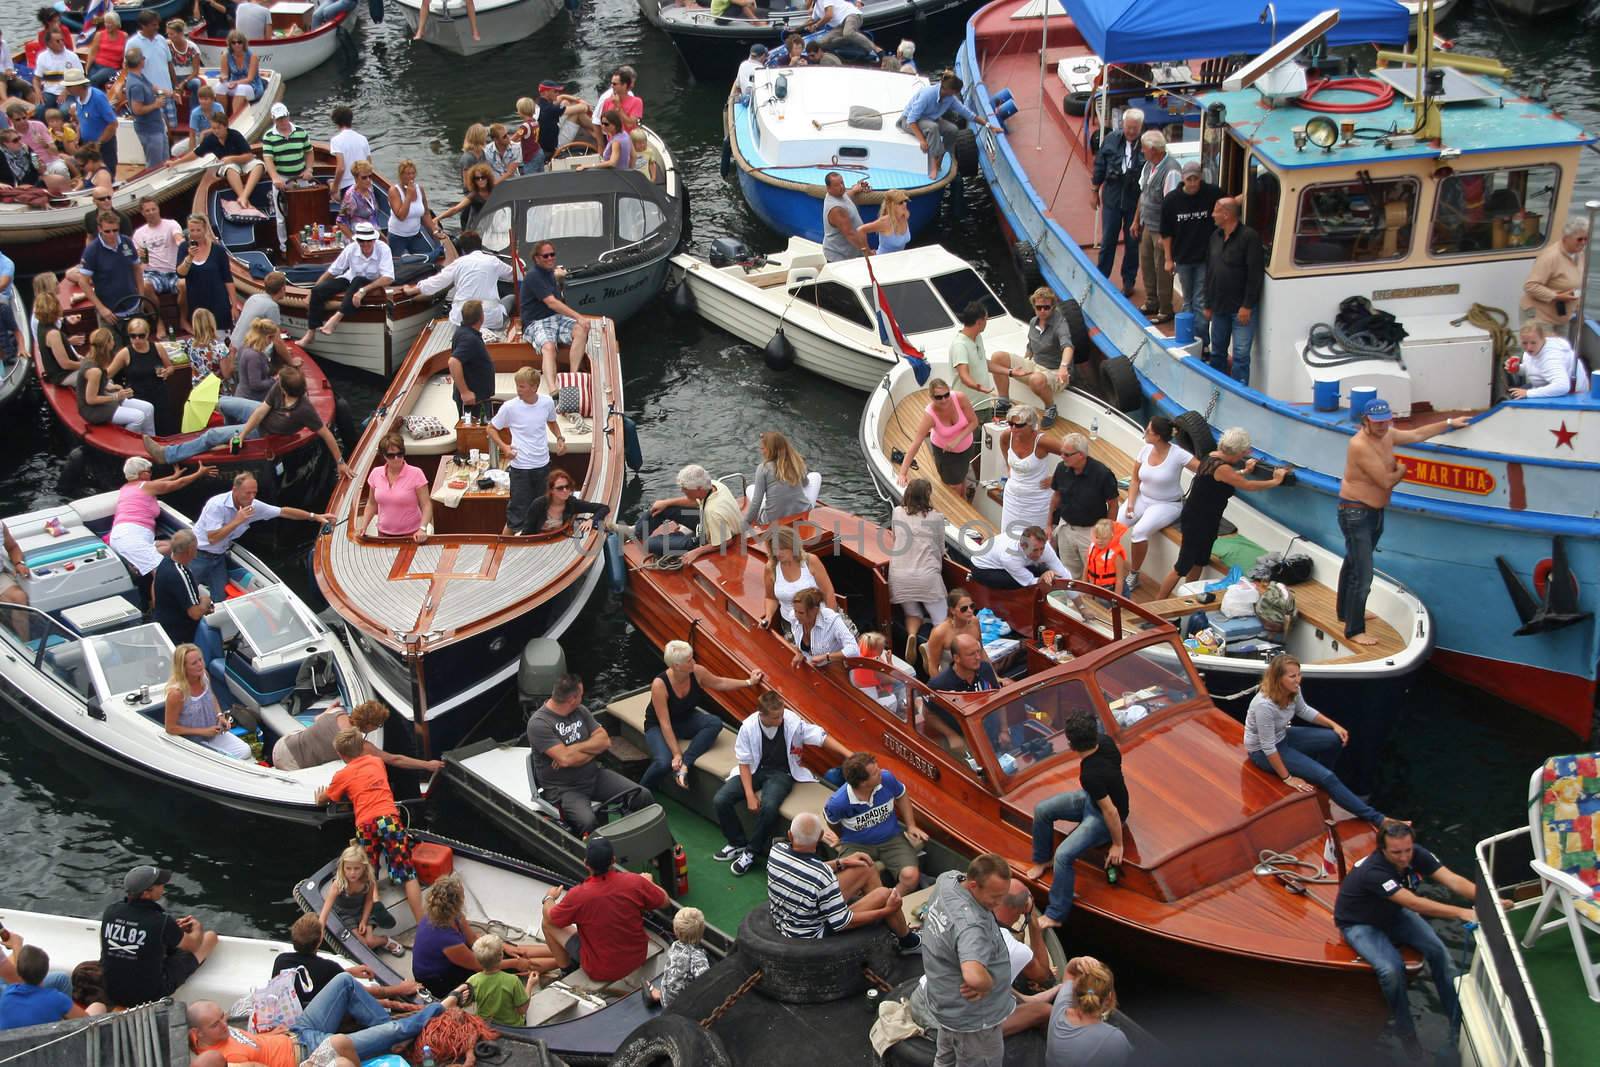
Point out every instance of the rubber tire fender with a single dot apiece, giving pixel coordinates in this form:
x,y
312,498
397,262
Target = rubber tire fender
x,y
1027,260
1076,103
964,149
1193,434
671,1039
803,970
1123,384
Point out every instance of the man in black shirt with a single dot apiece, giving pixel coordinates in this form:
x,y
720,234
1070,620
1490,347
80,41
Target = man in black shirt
x,y
968,672
180,601
306,935
1379,909
470,366
1100,809
1186,230
1085,492
1235,266
146,954
550,112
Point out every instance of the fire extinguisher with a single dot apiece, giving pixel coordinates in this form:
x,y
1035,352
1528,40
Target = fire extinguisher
x,y
680,863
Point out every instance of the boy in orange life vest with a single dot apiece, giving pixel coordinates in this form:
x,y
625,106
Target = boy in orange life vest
x,y
1106,562
365,782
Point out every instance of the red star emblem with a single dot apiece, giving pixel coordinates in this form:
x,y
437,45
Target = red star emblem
x,y
1564,436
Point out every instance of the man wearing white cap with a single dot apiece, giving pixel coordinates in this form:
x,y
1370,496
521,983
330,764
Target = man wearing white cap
x,y
286,148
146,954
362,269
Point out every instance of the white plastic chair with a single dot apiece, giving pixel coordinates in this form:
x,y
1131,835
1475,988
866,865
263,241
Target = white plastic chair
x,y
1557,805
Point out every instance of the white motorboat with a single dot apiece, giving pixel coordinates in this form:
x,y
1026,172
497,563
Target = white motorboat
x,y
826,311
50,238
499,22
295,47
14,375
1402,626
81,662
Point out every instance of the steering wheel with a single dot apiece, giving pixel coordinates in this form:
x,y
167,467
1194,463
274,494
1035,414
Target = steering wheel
x,y
135,306
619,804
575,148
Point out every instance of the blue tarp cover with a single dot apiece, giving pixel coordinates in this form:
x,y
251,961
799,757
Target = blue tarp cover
x,y
1131,31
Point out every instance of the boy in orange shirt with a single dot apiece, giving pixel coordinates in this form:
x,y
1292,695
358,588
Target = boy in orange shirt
x,y
365,781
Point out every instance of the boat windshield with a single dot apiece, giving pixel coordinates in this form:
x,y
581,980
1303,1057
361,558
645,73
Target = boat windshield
x,y
916,309
122,661
268,621
961,287
1144,682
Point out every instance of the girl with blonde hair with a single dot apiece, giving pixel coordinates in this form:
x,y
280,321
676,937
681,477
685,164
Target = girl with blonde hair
x,y
779,489
354,899
893,224
191,708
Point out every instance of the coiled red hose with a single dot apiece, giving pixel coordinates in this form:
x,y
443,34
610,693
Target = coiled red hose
x,y
1381,91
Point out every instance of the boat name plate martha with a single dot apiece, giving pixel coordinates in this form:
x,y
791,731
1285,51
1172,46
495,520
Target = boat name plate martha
x,y
1453,476
919,763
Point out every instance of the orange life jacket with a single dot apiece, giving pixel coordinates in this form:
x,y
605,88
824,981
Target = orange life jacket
x,y
1100,562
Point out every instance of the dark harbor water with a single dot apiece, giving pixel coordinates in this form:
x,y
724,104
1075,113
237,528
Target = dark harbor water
x,y
1457,762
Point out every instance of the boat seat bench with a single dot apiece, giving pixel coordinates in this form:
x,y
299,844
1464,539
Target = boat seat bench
x,y
719,761
436,397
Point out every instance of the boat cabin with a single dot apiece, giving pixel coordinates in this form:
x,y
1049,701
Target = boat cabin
x,y
598,219
1355,205
805,121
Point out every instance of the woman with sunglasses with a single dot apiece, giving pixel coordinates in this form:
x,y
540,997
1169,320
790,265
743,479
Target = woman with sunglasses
x,y
949,425
916,560
474,150
479,181
100,401
560,506
1030,458
893,224
360,203
398,493
938,653
241,73
146,367
618,145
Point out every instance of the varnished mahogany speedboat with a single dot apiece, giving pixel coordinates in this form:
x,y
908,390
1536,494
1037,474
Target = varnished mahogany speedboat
x,y
438,625
1202,816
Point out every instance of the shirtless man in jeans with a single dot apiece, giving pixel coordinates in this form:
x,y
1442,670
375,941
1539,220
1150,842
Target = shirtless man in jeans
x,y
1370,474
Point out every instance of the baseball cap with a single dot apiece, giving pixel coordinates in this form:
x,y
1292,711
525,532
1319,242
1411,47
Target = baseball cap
x,y
366,231
1378,411
757,51
598,855
1191,167
139,879
280,111
554,87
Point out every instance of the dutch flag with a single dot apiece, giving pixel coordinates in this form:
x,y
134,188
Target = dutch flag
x,y
889,330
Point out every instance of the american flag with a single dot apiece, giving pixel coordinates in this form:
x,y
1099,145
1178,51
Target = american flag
x,y
889,330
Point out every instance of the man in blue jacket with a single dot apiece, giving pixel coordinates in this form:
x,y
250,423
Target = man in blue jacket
x,y
1116,194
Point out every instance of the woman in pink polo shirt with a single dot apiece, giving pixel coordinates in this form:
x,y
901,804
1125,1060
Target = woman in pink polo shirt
x,y
399,494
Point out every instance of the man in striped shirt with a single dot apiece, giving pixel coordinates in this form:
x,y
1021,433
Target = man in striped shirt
x,y
813,898
286,148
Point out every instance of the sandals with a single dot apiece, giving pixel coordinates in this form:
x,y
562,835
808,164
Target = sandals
x,y
463,995
394,948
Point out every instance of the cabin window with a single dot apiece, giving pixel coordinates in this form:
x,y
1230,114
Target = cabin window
x,y
1261,203
852,152
961,287
835,298
495,229
939,723
1032,728
552,222
1144,682
636,219
1494,210
915,307
1361,221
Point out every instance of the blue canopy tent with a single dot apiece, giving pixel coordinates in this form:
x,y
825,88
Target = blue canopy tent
x,y
1144,31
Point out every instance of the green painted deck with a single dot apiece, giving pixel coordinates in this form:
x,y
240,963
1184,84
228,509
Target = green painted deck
x,y
1573,1018
712,887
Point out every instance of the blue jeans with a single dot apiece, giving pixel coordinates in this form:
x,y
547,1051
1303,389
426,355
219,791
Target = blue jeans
x,y
409,244
703,729
378,1034
209,642
236,411
157,149
1226,329
668,544
1362,527
1310,752
772,789
1192,276
1114,223
1091,831
210,569
1379,947
533,164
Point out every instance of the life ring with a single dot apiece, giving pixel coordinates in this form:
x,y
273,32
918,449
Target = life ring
x,y
1541,578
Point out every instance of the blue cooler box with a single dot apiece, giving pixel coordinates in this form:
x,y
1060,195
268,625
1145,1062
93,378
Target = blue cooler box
x,y
1238,629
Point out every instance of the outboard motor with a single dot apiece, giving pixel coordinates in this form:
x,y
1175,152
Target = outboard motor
x,y
542,663
727,251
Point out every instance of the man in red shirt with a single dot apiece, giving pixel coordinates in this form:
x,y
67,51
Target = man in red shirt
x,y
601,919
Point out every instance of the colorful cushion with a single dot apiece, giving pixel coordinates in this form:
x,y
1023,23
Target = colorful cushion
x,y
1570,818
574,394
422,427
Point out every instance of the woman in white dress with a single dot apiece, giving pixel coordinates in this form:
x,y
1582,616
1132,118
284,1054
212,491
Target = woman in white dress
x,y
1155,492
1031,459
790,568
916,560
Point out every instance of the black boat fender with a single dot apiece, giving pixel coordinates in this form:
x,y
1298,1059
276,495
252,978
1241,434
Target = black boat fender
x,y
632,454
779,353
616,565
344,425
375,10
682,301
798,970
674,1041
727,158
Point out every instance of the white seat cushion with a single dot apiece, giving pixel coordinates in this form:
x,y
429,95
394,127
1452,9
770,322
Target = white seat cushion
x,y
434,398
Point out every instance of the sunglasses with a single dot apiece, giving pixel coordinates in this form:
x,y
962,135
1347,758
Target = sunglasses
x,y
1018,423
545,255
563,488
941,396
394,455
1043,307
138,333
965,609
1070,455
